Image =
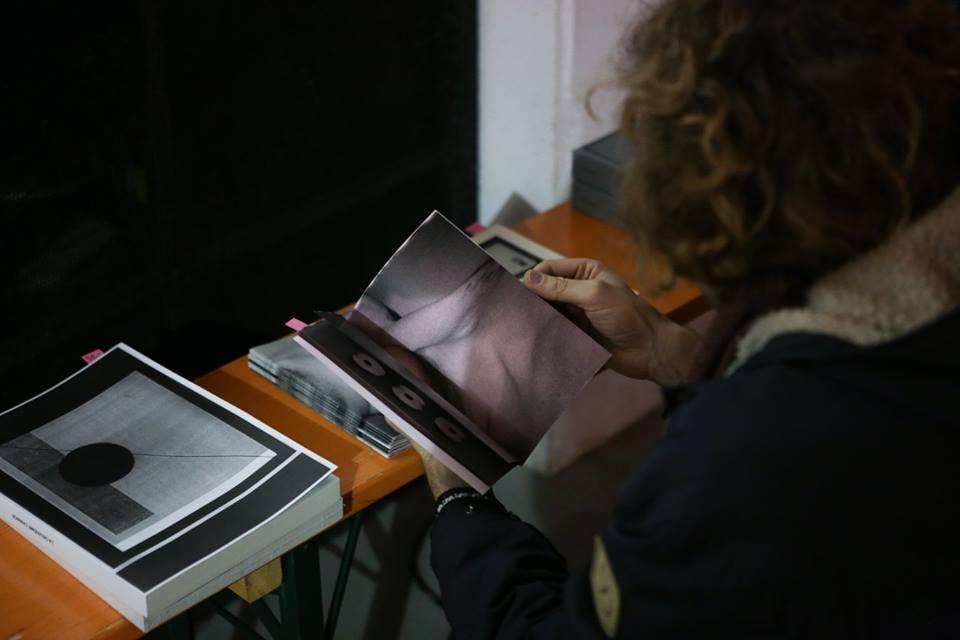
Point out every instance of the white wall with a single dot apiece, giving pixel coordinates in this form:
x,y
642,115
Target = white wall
x,y
538,59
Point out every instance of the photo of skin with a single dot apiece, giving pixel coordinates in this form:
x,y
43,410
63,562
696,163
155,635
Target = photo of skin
x,y
507,359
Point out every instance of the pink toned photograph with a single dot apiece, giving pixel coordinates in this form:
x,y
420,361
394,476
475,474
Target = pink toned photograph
x,y
497,352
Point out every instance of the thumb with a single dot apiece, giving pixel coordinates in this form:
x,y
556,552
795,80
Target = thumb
x,y
582,293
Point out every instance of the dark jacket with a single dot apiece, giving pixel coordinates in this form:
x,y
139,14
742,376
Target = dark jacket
x,y
813,493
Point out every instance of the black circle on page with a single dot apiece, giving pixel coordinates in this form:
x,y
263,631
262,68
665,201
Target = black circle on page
x,y
408,397
97,464
368,363
450,429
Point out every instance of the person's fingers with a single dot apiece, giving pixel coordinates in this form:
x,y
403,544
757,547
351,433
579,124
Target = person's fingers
x,y
580,269
577,268
582,293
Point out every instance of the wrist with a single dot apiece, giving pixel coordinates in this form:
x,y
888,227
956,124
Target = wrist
x,y
467,501
440,486
672,353
441,479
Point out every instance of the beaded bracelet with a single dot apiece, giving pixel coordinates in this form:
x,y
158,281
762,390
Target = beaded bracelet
x,y
460,493
454,494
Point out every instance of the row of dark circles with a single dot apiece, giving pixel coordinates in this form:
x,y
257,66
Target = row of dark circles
x,y
409,397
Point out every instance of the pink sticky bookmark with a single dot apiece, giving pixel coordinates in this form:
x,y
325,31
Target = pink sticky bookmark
x,y
295,324
93,355
475,228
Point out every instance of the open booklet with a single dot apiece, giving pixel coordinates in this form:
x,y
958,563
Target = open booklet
x,y
500,364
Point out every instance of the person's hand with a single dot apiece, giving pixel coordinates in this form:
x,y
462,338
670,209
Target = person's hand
x,y
643,342
439,476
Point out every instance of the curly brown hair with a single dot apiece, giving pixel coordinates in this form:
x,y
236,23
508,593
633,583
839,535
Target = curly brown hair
x,y
775,140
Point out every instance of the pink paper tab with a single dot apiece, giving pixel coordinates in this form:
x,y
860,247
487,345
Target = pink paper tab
x,y
92,356
295,324
475,228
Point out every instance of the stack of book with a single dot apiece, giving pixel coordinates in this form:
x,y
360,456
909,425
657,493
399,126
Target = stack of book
x,y
284,363
153,492
596,176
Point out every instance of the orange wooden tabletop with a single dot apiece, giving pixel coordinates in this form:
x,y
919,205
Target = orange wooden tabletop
x,y
41,600
365,475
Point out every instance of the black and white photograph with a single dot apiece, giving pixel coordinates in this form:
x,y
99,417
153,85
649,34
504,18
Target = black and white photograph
x,y
511,257
132,460
503,356
124,454
515,252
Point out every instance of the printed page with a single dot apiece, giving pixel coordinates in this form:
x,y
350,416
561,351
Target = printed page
x,y
497,352
135,455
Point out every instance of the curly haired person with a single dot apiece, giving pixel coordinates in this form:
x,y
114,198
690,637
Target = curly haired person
x,y
799,160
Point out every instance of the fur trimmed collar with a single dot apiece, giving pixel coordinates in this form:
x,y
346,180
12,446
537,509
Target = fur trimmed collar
x,y
910,280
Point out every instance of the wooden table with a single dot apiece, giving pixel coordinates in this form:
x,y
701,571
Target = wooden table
x,y
38,599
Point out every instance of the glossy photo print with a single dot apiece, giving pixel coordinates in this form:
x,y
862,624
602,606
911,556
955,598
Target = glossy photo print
x,y
497,352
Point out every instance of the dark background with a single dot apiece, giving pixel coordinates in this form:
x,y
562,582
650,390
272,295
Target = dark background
x,y
185,176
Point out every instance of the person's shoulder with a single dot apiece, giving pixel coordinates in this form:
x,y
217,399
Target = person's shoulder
x,y
746,437
761,435
813,383
753,400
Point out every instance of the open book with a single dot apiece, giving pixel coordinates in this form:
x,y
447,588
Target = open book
x,y
497,365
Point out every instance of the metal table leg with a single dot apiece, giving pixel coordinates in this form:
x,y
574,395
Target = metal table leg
x,y
346,563
238,625
301,593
